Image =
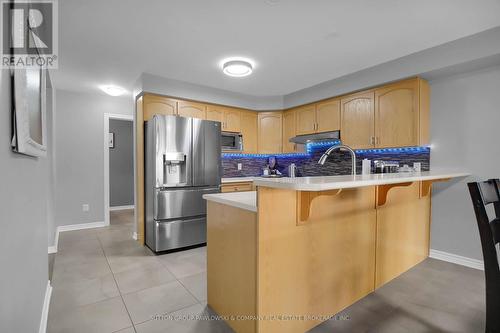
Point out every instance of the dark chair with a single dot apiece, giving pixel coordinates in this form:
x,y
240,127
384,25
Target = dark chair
x,y
483,194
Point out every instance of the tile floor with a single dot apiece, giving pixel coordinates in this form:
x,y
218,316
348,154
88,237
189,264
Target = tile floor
x,y
105,282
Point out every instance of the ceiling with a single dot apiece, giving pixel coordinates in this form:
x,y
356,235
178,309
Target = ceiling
x,y
295,44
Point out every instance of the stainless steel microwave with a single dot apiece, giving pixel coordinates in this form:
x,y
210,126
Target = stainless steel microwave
x,y
232,141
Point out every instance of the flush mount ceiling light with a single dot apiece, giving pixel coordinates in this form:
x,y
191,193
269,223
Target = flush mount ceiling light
x,y
237,67
113,90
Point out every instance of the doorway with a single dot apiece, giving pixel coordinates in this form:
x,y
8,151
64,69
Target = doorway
x,y
118,164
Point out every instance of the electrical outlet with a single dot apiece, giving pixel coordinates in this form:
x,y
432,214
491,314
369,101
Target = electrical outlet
x,y
85,207
240,166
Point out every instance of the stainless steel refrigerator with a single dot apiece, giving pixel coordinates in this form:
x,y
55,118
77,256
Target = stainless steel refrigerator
x,y
182,162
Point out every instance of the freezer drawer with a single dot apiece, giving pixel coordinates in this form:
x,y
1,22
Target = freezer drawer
x,y
172,204
178,233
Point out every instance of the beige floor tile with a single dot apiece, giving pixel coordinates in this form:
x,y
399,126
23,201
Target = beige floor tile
x,y
81,293
142,278
186,263
145,304
78,270
102,317
196,285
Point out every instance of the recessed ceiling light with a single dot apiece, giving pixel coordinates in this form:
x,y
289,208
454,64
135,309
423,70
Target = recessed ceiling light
x,y
113,90
237,67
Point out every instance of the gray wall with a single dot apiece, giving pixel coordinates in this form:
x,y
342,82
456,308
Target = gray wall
x,y
121,164
181,89
465,118
23,241
79,141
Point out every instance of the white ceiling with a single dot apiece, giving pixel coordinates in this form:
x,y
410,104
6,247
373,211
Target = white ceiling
x,y
295,44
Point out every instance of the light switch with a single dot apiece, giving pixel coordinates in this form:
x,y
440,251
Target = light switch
x,y
85,207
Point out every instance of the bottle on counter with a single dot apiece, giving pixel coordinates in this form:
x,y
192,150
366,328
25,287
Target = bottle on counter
x,y
366,167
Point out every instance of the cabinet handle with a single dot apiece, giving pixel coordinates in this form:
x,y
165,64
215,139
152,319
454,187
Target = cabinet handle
x,y
372,140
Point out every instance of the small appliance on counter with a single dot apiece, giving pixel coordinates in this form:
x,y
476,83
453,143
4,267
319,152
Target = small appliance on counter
x,y
386,167
292,170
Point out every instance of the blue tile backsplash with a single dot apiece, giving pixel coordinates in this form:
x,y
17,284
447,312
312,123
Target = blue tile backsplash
x,y
339,162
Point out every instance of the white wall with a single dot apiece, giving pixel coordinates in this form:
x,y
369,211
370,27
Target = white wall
x,y
465,119
24,191
79,131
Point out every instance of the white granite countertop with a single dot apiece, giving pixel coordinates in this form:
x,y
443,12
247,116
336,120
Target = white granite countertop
x,y
340,182
243,200
237,180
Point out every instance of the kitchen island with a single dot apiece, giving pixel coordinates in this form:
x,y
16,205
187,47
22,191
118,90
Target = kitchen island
x,y
297,251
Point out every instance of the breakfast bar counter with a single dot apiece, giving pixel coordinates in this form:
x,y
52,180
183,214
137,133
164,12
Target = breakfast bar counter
x,y
299,250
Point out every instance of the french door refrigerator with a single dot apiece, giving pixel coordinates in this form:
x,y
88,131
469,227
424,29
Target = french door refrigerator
x,y
182,163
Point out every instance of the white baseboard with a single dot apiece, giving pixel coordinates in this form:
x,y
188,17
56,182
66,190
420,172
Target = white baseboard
x,y
121,207
72,227
80,226
45,309
456,259
134,235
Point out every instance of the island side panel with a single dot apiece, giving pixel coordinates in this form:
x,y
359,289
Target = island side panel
x,y
232,264
403,227
317,268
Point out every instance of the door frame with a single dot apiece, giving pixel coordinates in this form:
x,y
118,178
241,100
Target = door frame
x,y
107,118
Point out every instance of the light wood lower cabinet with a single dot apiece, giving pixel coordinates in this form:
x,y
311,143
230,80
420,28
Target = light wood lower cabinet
x,y
403,230
358,120
236,187
270,132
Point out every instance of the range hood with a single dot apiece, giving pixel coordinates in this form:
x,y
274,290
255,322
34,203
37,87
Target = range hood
x,y
316,137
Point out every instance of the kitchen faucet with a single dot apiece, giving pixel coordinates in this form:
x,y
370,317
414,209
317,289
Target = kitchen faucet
x,y
327,153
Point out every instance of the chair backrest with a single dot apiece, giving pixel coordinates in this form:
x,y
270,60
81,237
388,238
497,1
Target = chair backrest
x,y
482,195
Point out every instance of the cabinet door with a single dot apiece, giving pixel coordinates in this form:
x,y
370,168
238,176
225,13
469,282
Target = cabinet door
x,y
232,120
396,114
249,131
215,113
191,109
288,131
153,104
306,119
328,116
357,120
403,225
270,132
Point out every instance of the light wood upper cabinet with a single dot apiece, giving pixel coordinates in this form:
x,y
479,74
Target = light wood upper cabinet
x,y
319,117
192,109
289,131
358,120
215,113
249,131
270,132
232,120
328,116
396,114
153,104
229,117
306,119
